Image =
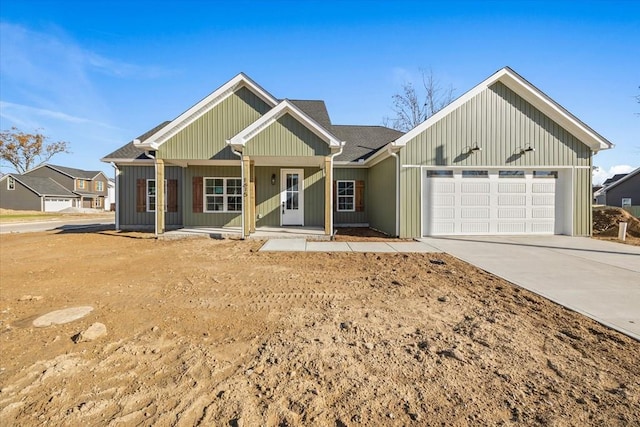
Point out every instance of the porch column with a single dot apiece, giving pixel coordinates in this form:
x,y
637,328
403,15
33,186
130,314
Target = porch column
x,y
160,224
328,197
246,196
252,196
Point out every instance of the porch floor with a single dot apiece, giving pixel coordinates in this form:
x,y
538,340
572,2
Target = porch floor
x,y
261,233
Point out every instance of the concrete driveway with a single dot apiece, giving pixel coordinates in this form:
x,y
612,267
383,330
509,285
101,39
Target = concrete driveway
x,y
597,278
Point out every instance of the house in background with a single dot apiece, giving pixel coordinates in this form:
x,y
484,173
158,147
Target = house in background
x,y
504,158
622,190
52,188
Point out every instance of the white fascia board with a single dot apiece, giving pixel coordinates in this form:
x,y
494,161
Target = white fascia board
x,y
127,161
205,105
26,186
528,92
284,107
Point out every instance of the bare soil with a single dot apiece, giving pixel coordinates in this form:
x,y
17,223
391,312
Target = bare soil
x,y
606,222
213,332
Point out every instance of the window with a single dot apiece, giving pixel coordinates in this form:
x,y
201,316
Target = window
x,y
511,174
545,174
81,184
222,194
475,174
626,202
151,195
11,183
346,196
439,173
99,186
97,203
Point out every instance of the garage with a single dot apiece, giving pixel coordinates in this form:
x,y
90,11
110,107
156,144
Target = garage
x,y
52,204
493,202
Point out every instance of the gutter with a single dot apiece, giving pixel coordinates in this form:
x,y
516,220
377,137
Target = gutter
x,y
395,155
116,172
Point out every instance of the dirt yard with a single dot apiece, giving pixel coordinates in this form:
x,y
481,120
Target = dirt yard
x,y
206,332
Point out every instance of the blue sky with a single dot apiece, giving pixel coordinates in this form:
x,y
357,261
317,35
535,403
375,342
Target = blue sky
x,y
100,73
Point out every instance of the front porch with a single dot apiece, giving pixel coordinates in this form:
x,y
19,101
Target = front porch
x,y
261,233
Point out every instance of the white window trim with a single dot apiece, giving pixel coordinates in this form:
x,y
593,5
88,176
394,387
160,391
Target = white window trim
x,y
623,204
353,196
225,196
11,183
81,184
156,195
99,186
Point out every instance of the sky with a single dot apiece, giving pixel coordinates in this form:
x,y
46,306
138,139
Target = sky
x,y
100,73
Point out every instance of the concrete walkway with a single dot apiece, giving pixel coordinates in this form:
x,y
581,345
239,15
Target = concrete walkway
x,y
597,278
302,245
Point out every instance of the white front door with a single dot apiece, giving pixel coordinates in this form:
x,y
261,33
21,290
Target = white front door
x,y
292,196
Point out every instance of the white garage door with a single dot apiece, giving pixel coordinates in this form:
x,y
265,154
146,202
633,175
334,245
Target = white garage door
x,y
484,202
55,205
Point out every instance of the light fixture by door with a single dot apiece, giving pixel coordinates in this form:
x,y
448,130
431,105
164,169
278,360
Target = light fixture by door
x,y
273,179
527,149
474,149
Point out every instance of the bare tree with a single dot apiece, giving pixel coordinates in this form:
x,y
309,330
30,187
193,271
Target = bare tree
x,y
25,151
412,108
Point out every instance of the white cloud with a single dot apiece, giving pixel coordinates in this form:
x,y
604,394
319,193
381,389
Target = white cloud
x,y
600,174
13,112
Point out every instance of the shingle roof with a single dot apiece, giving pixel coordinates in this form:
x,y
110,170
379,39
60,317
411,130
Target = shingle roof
x,y
75,173
363,141
43,186
129,151
614,178
317,110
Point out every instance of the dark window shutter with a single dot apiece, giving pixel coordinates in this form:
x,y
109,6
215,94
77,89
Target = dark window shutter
x,y
197,194
141,195
172,195
335,196
359,196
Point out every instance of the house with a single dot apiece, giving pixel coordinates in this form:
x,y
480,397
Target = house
x,y
504,158
32,193
51,188
623,190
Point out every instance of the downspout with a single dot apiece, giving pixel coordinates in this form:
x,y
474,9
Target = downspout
x,y
116,173
331,185
155,178
239,154
395,155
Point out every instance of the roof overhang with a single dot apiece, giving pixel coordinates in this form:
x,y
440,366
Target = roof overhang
x,y
154,141
531,94
627,177
284,107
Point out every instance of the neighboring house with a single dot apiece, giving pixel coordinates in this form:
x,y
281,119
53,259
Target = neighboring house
x,y
84,189
32,193
504,158
623,191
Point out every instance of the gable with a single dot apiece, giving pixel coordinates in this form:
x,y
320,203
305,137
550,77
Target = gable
x,y
286,137
205,138
502,124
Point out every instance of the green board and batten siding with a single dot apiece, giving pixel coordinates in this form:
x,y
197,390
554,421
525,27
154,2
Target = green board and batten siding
x,y
382,196
286,137
346,218
268,196
128,178
501,123
210,219
206,137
